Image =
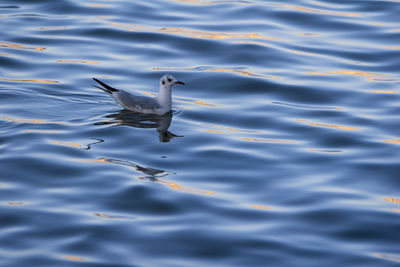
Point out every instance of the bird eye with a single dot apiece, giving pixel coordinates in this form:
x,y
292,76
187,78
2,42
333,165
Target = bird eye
x,y
163,82
169,80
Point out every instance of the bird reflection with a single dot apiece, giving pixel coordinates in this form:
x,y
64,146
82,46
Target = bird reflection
x,y
151,174
160,122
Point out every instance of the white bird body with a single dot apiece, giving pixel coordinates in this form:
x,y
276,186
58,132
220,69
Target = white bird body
x,y
143,104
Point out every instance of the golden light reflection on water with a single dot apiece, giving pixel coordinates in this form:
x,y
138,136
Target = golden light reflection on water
x,y
237,71
20,46
384,80
74,258
5,55
28,81
214,131
397,142
348,72
31,121
320,11
193,33
42,131
391,257
63,143
260,207
15,203
97,5
77,61
197,102
53,28
334,126
392,47
393,200
185,189
326,125
384,91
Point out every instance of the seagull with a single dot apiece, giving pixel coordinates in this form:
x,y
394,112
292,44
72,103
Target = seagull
x,y
143,104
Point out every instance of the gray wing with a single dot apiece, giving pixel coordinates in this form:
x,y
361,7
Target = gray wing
x,y
130,101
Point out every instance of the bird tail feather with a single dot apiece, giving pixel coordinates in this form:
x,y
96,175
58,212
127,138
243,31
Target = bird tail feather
x,y
108,89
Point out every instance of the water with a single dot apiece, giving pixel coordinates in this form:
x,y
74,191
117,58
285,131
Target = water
x,y
282,150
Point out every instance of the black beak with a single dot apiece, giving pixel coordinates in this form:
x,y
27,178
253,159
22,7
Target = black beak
x,y
179,82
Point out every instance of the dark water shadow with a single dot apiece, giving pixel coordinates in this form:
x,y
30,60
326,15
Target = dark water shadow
x,y
160,122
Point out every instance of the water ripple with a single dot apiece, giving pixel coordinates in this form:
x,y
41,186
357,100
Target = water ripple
x,y
282,147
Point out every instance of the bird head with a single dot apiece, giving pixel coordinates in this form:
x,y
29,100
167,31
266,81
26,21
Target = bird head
x,y
168,81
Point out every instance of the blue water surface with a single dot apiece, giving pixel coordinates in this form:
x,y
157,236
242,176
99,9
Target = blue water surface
x,y
283,147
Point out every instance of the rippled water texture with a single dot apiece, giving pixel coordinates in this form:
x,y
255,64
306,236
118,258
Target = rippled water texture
x,y
282,150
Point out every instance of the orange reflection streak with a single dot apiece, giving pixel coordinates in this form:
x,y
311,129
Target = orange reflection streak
x,y
245,73
193,33
334,126
397,142
28,81
260,207
150,94
212,35
77,61
325,125
392,47
178,187
53,28
349,72
384,91
97,5
383,80
358,73
5,55
19,120
15,203
214,131
74,258
238,71
42,131
390,257
267,140
19,46
62,143
320,11
394,200
197,102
